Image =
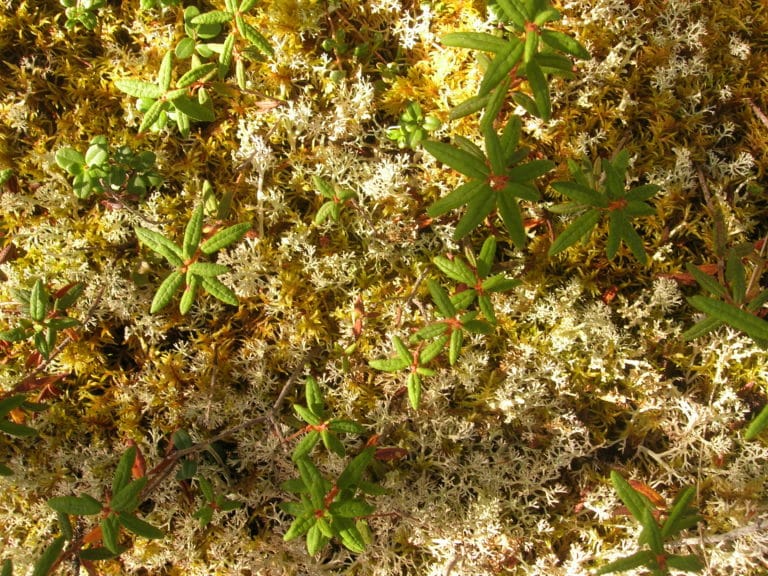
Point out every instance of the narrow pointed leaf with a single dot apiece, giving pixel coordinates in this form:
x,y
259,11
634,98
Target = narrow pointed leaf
x,y
193,109
463,194
457,159
754,327
578,228
307,415
477,209
139,88
305,445
514,13
127,499
530,170
455,269
389,364
38,301
166,291
475,41
757,425
353,473
300,526
510,214
84,505
314,396
190,291
110,529
540,89
580,193
635,502
164,74
152,115
502,64
454,346
160,244
346,426
212,17
225,237
402,351
208,269
689,563
218,290
642,558
332,443
564,43
48,558
122,474
195,75
140,527
441,299
706,281
679,510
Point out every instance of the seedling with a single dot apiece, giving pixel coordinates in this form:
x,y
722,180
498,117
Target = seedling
x,y
413,127
335,200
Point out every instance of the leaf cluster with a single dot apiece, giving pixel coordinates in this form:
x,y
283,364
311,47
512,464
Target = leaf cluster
x,y
327,509
413,127
681,516
101,170
118,512
189,99
475,284
335,198
44,315
189,272
601,193
530,53
497,178
82,12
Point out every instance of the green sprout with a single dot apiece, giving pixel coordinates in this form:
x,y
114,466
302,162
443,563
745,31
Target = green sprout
x,y
335,200
413,127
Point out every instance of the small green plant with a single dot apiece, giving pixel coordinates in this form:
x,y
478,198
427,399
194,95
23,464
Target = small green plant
x,y
114,172
117,513
44,315
150,4
328,509
736,301
82,12
189,271
474,276
335,200
497,178
413,127
681,516
530,59
598,193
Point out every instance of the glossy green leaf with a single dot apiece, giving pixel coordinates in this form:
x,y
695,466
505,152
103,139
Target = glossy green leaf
x,y
160,244
346,426
441,299
152,115
389,364
455,269
477,210
314,482
70,160
457,198
402,350
314,396
475,41
166,291
352,539
305,445
255,37
469,106
514,13
642,193
164,74
225,237
454,346
300,526
122,475
316,540
247,5
635,502
307,415
194,109
332,443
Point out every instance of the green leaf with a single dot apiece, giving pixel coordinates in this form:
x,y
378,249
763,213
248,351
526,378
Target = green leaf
x,y
469,106
652,533
353,508
195,75
300,526
127,499
641,193
307,415
531,44
110,528
455,199
353,472
530,170
754,327
39,301
139,88
689,563
123,470
255,37
402,350
213,17
11,403
48,558
305,445
510,214
517,16
332,443
564,43
166,291
441,299
140,527
161,245
413,385
454,346
18,430
736,277
455,269
164,74
457,159
347,426
475,41
314,396
706,281
7,569
5,471
389,364
501,66
583,194
70,160
673,524
184,49
635,502
218,290
84,505
352,539
190,291
578,228
757,425
316,540
153,115
207,269
193,109
225,237
314,482
431,350
247,5
540,89
477,209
